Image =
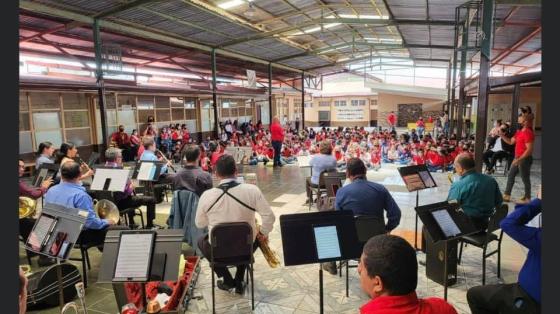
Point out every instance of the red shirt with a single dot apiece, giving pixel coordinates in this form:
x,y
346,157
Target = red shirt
x,y
407,304
392,119
420,123
186,136
277,132
436,159
140,151
523,137
419,160
270,152
214,158
287,153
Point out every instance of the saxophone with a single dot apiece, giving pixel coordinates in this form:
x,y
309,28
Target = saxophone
x,y
270,256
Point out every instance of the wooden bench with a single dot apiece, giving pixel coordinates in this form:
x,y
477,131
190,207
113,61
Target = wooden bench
x,y
428,127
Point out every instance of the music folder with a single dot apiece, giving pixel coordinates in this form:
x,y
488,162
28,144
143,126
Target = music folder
x,y
445,221
45,171
110,179
417,177
147,170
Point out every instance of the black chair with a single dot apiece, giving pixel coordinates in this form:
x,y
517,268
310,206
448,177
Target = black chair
x,y
484,238
84,257
231,244
333,179
366,228
320,188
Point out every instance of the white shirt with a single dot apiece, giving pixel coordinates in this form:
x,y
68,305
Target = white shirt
x,y
497,146
229,210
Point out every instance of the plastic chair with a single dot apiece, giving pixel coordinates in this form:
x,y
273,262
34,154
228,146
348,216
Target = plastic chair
x,y
320,188
231,244
482,239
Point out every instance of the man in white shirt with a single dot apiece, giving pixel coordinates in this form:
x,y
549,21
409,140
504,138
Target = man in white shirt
x,y
496,152
232,202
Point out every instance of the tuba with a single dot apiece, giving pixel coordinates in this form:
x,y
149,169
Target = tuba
x,y
106,209
27,207
270,256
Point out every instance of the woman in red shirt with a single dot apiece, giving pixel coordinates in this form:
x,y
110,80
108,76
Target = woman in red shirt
x,y
523,140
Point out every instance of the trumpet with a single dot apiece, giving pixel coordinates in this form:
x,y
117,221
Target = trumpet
x,y
270,256
166,160
27,207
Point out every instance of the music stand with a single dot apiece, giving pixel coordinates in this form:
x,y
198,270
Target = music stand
x,y
54,234
164,261
311,238
45,170
445,221
417,178
110,179
148,171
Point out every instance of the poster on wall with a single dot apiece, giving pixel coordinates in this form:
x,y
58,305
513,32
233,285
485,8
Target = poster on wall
x,y
349,114
251,79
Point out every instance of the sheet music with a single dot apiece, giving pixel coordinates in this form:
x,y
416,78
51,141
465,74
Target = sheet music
x,y
446,223
133,258
40,231
326,240
414,182
119,178
147,171
427,178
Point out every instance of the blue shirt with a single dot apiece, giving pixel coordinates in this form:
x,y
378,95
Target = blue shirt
x,y
320,163
369,198
73,195
150,156
477,193
43,160
514,225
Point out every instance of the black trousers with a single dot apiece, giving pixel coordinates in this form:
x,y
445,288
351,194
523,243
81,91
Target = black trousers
x,y
223,272
524,168
25,227
96,237
489,157
135,201
277,145
501,299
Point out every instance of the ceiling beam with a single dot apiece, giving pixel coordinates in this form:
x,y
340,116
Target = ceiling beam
x,y
145,33
123,7
320,21
374,57
518,44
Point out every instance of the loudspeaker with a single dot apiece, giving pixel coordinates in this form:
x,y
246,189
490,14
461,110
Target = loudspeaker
x,y
435,260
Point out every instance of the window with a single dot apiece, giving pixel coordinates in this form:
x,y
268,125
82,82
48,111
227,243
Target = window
x,y
358,102
324,116
373,102
324,104
340,103
308,105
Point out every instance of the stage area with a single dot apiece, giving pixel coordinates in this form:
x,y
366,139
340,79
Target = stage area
x,y
295,289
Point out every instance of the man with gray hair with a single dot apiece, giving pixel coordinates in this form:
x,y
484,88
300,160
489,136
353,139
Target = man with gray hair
x,y
127,199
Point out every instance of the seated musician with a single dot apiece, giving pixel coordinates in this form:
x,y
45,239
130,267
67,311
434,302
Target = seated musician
x,y
68,152
126,199
26,224
70,193
239,204
192,177
477,193
44,153
358,193
324,161
388,272
149,155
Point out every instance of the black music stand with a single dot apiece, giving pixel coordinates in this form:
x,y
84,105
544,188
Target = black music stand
x,y
148,171
445,221
165,257
110,180
54,234
303,238
45,170
417,178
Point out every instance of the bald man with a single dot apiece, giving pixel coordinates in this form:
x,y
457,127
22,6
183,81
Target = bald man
x,y
477,193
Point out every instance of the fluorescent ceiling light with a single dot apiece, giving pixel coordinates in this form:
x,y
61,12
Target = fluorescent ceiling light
x,y
230,4
315,29
386,40
365,17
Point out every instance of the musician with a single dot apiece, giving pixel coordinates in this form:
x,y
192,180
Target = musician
x,y
26,224
477,193
68,152
215,208
70,193
388,272
192,177
44,153
126,199
149,154
324,161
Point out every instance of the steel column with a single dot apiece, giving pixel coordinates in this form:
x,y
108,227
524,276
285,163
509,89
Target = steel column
x,y
270,92
515,104
462,74
214,96
451,115
302,100
100,83
483,83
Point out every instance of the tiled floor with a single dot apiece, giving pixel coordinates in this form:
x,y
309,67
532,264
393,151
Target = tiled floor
x,y
295,289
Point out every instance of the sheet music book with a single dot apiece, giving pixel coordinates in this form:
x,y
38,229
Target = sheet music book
x,y
147,171
134,256
446,223
326,242
417,178
41,231
116,179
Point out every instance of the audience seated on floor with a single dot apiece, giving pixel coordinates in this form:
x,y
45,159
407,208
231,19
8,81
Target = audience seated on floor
x,y
388,272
